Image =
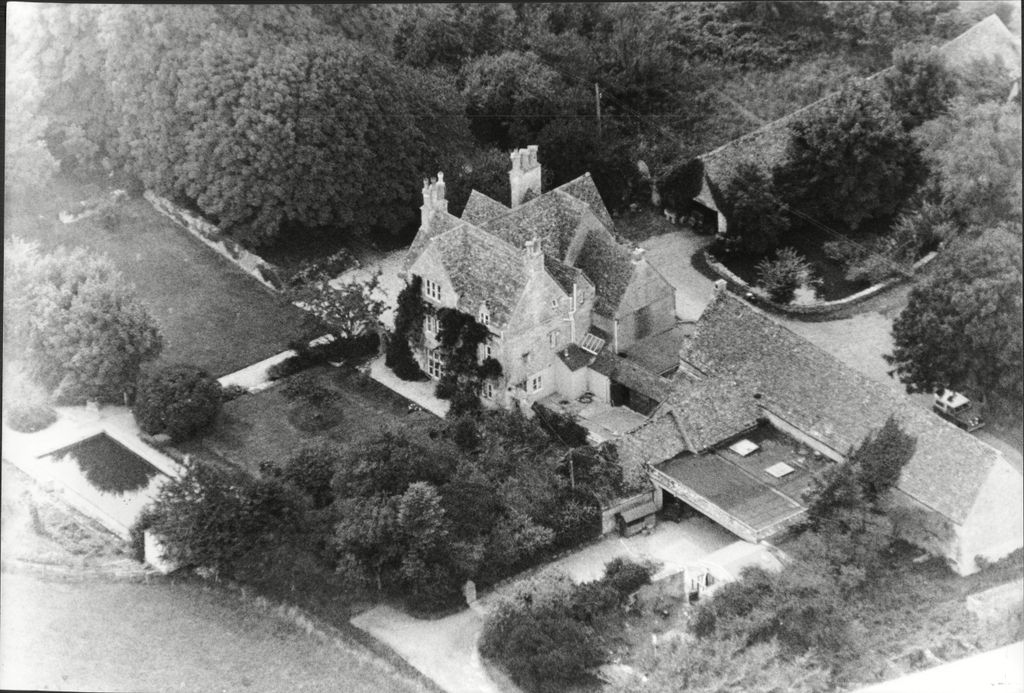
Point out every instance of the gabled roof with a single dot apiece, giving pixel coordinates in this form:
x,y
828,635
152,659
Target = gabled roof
x,y
481,208
564,275
552,218
632,375
584,189
766,146
755,363
986,40
609,265
442,222
483,268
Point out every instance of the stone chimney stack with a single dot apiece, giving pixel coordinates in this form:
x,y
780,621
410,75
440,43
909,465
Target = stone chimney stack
x,y
534,256
433,199
524,177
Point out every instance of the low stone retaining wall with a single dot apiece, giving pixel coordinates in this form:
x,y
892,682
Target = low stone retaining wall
x,y
823,308
250,263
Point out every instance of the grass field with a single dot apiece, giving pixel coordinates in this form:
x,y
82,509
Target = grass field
x,y
210,313
169,636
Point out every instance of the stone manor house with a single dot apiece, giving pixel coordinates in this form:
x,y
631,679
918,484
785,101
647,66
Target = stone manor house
x,y
560,295
730,417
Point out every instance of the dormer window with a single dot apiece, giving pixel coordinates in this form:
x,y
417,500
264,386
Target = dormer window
x,y
432,289
485,315
554,303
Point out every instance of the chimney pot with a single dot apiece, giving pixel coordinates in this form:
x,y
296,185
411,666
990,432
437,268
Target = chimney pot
x,y
720,286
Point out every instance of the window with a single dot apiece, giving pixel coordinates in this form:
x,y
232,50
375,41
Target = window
x,y
488,351
554,303
537,382
435,364
488,390
485,316
430,323
432,289
554,338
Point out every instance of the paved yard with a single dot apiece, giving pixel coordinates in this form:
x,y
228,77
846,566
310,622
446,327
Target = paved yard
x,y
446,649
209,312
670,254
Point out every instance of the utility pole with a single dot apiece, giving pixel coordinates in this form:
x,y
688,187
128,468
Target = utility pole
x,y
597,105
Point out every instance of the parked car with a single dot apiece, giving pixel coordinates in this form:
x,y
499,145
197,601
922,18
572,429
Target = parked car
x,y
958,409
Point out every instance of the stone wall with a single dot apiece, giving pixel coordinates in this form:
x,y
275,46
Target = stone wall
x,y
824,307
250,263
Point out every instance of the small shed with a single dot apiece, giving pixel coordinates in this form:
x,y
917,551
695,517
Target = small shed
x,y
636,519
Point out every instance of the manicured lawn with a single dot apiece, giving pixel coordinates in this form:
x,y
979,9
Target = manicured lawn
x,y
210,313
262,426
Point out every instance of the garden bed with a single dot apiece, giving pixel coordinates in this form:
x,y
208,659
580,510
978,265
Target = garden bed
x,y
834,284
268,426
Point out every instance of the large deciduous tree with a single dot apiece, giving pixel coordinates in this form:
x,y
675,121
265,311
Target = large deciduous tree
x,y
510,96
962,327
75,322
849,160
920,85
974,152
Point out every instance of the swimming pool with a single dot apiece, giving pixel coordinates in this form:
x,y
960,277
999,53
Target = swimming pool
x,y
114,482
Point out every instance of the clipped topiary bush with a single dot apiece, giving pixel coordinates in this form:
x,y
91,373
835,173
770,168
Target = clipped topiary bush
x,y
179,400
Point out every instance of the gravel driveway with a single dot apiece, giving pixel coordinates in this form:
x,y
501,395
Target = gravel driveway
x,y
446,649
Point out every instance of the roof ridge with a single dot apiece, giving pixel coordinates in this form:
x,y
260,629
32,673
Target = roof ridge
x,y
897,398
941,48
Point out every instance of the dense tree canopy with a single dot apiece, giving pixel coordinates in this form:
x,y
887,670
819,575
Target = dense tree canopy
x,y
75,322
920,85
756,220
974,152
849,160
962,327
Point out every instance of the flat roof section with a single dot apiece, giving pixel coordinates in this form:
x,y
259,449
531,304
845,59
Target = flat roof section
x,y
740,488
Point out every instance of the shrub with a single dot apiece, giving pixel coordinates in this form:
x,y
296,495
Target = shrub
x,y
30,417
626,576
232,392
179,400
781,277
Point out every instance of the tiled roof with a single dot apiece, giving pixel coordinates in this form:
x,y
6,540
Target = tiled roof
x,y
583,188
712,410
746,353
551,218
564,275
481,208
609,265
632,375
483,268
660,438
766,146
442,222
987,39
